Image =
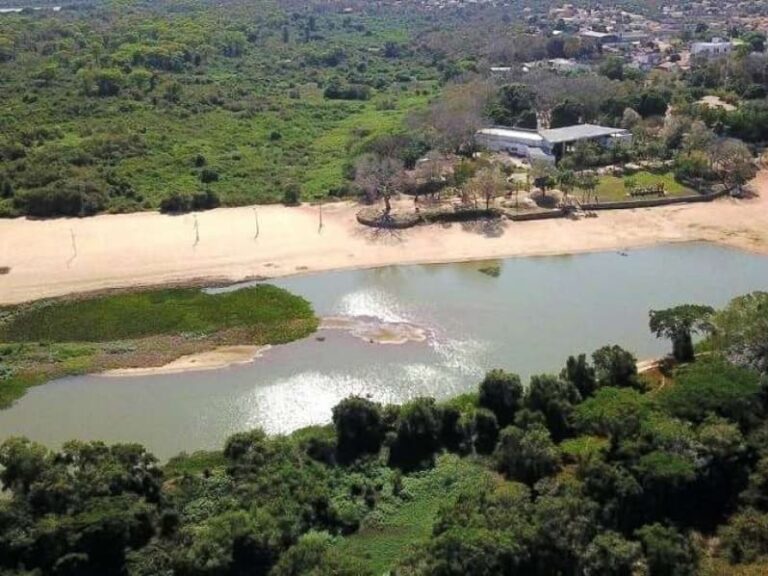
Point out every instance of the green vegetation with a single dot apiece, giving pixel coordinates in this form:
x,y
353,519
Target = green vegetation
x,y
131,106
613,189
268,309
52,338
405,519
590,472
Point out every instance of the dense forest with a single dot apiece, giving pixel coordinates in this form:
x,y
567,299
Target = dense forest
x,y
599,469
130,105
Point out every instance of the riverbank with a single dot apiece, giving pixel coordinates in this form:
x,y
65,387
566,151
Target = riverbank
x,y
58,257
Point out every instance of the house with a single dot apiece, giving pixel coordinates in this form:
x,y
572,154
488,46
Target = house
x,y
715,49
551,144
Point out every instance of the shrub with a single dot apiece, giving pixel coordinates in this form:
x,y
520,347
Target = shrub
x,y
208,175
292,195
62,199
175,203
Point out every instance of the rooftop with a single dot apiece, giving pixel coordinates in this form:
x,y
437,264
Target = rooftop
x,y
517,133
578,132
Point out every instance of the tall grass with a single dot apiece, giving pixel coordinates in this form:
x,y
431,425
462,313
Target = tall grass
x,y
269,313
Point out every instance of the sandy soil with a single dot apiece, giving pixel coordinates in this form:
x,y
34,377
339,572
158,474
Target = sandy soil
x,y
210,360
57,257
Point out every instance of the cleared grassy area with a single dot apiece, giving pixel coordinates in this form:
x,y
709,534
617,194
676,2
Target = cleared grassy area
x,y
613,188
49,339
399,522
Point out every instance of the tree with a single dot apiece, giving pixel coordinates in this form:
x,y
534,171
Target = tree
x,y
578,372
247,451
733,163
566,179
745,538
418,433
456,117
379,177
543,174
489,183
315,555
630,118
615,366
359,427
22,463
512,101
741,331
555,399
566,113
698,138
485,428
588,181
609,554
501,393
612,68
679,324
527,455
667,551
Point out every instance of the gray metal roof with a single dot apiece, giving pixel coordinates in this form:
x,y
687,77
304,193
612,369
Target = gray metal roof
x,y
519,134
578,132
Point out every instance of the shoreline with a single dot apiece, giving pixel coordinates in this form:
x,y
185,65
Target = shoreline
x,y
64,257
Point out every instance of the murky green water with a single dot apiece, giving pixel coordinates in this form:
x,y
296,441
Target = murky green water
x,y
527,320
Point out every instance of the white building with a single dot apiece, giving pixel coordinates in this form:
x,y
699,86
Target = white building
x,y
715,49
549,144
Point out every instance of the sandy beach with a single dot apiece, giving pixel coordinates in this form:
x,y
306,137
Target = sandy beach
x,y
57,257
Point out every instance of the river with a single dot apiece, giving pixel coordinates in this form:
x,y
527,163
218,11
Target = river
x,y
527,320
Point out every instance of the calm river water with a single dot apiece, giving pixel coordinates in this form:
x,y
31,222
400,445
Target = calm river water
x,y
528,320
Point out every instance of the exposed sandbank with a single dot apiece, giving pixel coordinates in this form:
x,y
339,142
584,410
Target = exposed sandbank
x,y
210,360
63,256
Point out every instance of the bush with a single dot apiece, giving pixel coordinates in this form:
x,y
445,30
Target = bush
x,y
62,199
205,200
292,195
208,175
176,202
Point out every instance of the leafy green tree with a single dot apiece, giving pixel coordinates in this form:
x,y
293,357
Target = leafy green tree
x,y
567,113
616,490
555,399
578,372
486,430
609,554
614,412
501,393
23,462
359,427
314,555
667,551
527,455
741,331
744,539
247,451
616,367
679,324
417,434
715,387
512,101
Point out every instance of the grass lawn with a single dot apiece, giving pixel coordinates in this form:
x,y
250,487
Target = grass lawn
x,y
612,188
398,523
54,338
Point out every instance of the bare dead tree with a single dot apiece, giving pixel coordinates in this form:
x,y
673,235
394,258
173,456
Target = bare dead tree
x,y
379,177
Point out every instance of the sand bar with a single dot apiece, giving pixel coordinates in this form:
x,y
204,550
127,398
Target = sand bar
x,y
210,360
57,257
